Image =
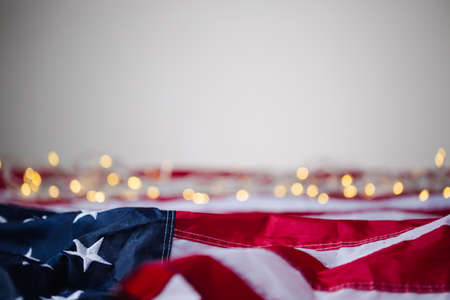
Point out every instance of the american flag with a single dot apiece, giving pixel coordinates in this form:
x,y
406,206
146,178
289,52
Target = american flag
x,y
199,234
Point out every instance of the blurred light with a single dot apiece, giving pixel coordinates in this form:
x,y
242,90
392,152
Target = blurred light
x,y
53,158
134,183
346,180
424,194
279,191
446,192
105,161
28,175
113,179
323,198
369,189
188,194
242,195
439,158
36,179
0,164
397,188
350,191
153,192
53,191
90,195
302,173
200,198
75,186
99,197
297,189
34,188
312,191
25,189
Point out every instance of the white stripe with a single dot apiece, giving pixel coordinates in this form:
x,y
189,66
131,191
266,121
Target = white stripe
x,y
333,258
273,278
178,288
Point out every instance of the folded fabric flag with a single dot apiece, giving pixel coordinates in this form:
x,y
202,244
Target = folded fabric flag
x,y
146,253
77,255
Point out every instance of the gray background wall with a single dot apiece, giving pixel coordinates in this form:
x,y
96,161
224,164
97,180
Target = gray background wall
x,y
227,83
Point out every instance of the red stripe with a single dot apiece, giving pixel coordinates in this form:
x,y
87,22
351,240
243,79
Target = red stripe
x,y
421,266
207,276
271,229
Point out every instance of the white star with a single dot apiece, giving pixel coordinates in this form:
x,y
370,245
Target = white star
x,y
85,213
2,220
28,255
88,255
73,296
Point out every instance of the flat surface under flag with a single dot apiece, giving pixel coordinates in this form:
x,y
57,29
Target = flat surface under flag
x,y
290,247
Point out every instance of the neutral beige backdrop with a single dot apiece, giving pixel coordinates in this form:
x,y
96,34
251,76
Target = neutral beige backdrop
x,y
227,83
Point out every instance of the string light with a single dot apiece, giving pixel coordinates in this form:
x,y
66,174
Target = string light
x,y
322,198
90,195
105,161
302,173
446,192
242,195
25,189
53,158
153,192
424,194
312,191
200,198
369,189
439,158
53,191
99,197
279,191
75,186
397,188
346,180
188,194
297,189
350,191
134,183
113,179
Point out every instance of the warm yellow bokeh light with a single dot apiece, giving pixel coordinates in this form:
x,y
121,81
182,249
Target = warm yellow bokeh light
x,y
113,179
90,195
439,159
28,175
279,191
369,189
446,192
134,183
53,158
200,198
99,197
312,191
350,191
25,189
297,189
322,198
188,194
397,188
152,192
302,173
53,191
0,164
36,179
242,195
423,195
105,161
346,180
75,186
